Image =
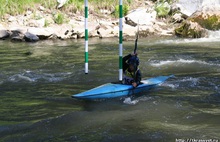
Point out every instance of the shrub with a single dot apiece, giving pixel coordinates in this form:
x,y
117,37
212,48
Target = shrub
x,y
162,9
59,18
125,10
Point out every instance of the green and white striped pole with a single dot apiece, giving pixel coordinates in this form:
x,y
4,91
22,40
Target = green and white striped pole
x,y
120,40
86,37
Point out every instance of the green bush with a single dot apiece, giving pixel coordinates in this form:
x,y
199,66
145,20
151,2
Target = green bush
x,y
125,10
59,18
162,9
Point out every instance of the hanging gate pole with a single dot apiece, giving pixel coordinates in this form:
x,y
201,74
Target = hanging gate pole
x,y
120,40
86,37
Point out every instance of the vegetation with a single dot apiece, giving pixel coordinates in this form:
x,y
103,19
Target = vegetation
x,y
125,10
163,7
210,22
15,7
59,18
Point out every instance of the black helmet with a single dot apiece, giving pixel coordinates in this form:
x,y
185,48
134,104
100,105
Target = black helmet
x,y
134,60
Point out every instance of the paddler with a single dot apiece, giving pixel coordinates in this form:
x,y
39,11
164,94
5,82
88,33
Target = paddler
x,y
131,72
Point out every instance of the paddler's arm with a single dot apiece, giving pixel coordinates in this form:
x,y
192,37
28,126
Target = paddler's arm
x,y
137,79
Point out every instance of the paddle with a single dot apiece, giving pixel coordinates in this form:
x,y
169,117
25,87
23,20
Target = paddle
x,y
136,40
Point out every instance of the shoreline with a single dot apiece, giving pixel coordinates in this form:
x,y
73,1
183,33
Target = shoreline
x,y
39,25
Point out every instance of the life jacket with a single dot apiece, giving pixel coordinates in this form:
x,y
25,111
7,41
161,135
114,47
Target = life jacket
x,y
129,77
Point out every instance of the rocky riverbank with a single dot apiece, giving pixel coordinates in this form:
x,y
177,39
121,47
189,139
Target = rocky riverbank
x,y
41,25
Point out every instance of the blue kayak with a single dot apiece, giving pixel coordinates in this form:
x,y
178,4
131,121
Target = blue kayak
x,y
112,90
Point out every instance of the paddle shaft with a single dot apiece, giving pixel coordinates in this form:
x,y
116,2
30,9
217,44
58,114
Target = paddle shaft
x,y
136,40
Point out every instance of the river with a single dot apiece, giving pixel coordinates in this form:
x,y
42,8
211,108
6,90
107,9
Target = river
x,y
38,79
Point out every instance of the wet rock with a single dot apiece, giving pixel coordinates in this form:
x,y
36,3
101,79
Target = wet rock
x,y
29,37
191,30
42,33
17,36
4,34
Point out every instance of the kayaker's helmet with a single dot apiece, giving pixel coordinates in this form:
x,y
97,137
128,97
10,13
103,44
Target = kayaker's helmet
x,y
134,60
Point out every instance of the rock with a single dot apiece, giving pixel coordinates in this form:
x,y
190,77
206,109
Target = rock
x,y
61,31
28,12
108,32
140,16
17,36
129,30
29,37
41,8
104,29
12,19
190,29
177,18
207,16
43,33
196,26
41,22
61,3
36,23
188,7
184,7
4,34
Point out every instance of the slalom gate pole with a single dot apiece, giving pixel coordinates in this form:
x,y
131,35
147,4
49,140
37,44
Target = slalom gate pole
x,y
86,37
120,39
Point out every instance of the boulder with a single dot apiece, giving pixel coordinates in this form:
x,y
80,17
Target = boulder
x,y
187,7
141,17
29,37
17,36
4,34
42,33
207,17
196,26
191,30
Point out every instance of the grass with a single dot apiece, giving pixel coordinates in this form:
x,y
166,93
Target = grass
x,y
15,7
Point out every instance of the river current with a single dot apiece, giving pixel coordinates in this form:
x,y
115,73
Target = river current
x,y
38,79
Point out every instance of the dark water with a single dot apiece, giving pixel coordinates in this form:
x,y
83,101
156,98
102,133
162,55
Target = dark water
x,y
38,79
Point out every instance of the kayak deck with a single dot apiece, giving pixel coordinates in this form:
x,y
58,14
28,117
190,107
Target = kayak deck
x,y
112,90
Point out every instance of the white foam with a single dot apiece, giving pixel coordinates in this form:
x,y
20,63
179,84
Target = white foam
x,y
213,36
129,102
181,61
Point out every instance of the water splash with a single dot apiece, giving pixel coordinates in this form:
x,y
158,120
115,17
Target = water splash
x,y
130,102
214,35
181,62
